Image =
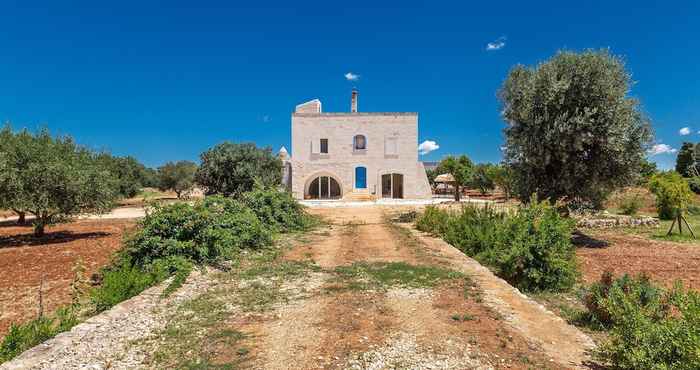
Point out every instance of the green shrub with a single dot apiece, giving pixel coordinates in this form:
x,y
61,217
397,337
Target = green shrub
x,y
121,283
630,205
22,337
663,333
600,297
672,194
202,232
277,209
474,230
433,220
124,280
232,226
530,248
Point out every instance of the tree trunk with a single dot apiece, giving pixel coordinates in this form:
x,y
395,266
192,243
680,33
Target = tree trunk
x,y
22,217
39,228
458,193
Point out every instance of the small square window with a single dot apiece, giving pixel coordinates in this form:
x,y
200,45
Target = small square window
x,y
324,146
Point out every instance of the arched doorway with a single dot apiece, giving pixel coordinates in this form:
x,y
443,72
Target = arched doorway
x,y
392,185
323,187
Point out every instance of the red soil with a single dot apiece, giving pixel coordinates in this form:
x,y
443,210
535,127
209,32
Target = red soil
x,y
621,253
25,261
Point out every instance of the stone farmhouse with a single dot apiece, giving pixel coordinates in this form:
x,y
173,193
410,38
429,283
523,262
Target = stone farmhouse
x,y
354,155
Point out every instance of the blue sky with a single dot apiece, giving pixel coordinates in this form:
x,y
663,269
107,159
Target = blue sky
x,y
166,80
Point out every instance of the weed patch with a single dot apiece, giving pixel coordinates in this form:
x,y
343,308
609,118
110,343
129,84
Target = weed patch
x,y
193,334
366,276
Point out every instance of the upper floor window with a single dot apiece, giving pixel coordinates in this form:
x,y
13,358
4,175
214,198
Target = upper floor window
x,y
359,142
391,146
319,146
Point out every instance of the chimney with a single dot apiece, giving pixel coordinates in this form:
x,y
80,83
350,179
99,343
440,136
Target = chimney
x,y
353,101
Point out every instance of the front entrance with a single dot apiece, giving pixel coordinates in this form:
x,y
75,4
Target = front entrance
x,y
360,178
392,186
323,187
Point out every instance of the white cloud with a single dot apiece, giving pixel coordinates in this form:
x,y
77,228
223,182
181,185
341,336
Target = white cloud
x,y
499,44
684,131
427,147
661,149
351,76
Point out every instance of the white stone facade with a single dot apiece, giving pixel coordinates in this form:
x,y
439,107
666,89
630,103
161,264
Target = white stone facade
x,y
323,145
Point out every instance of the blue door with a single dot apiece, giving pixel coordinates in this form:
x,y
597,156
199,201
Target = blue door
x,y
360,178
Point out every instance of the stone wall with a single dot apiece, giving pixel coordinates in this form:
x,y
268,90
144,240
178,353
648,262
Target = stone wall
x,y
610,221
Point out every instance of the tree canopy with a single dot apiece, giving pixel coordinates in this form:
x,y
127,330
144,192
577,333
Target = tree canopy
x,y
130,173
461,168
685,161
483,177
502,176
177,176
233,168
51,178
573,133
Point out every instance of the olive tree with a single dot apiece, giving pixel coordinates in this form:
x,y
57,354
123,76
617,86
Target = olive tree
x,y
482,178
52,179
177,176
232,168
503,178
685,159
128,172
573,133
461,168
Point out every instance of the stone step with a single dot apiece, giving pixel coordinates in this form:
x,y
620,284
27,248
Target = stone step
x,y
360,196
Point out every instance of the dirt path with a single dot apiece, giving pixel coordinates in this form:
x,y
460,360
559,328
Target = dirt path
x,y
401,327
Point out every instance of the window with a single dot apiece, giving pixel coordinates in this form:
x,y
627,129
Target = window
x,y
391,146
359,142
319,146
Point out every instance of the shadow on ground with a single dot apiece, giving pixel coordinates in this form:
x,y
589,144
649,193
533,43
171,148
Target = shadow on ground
x,y
58,237
581,240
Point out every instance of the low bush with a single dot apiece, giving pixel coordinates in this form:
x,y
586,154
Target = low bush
x,y
202,232
433,220
22,337
530,248
124,280
601,298
650,328
630,205
277,209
